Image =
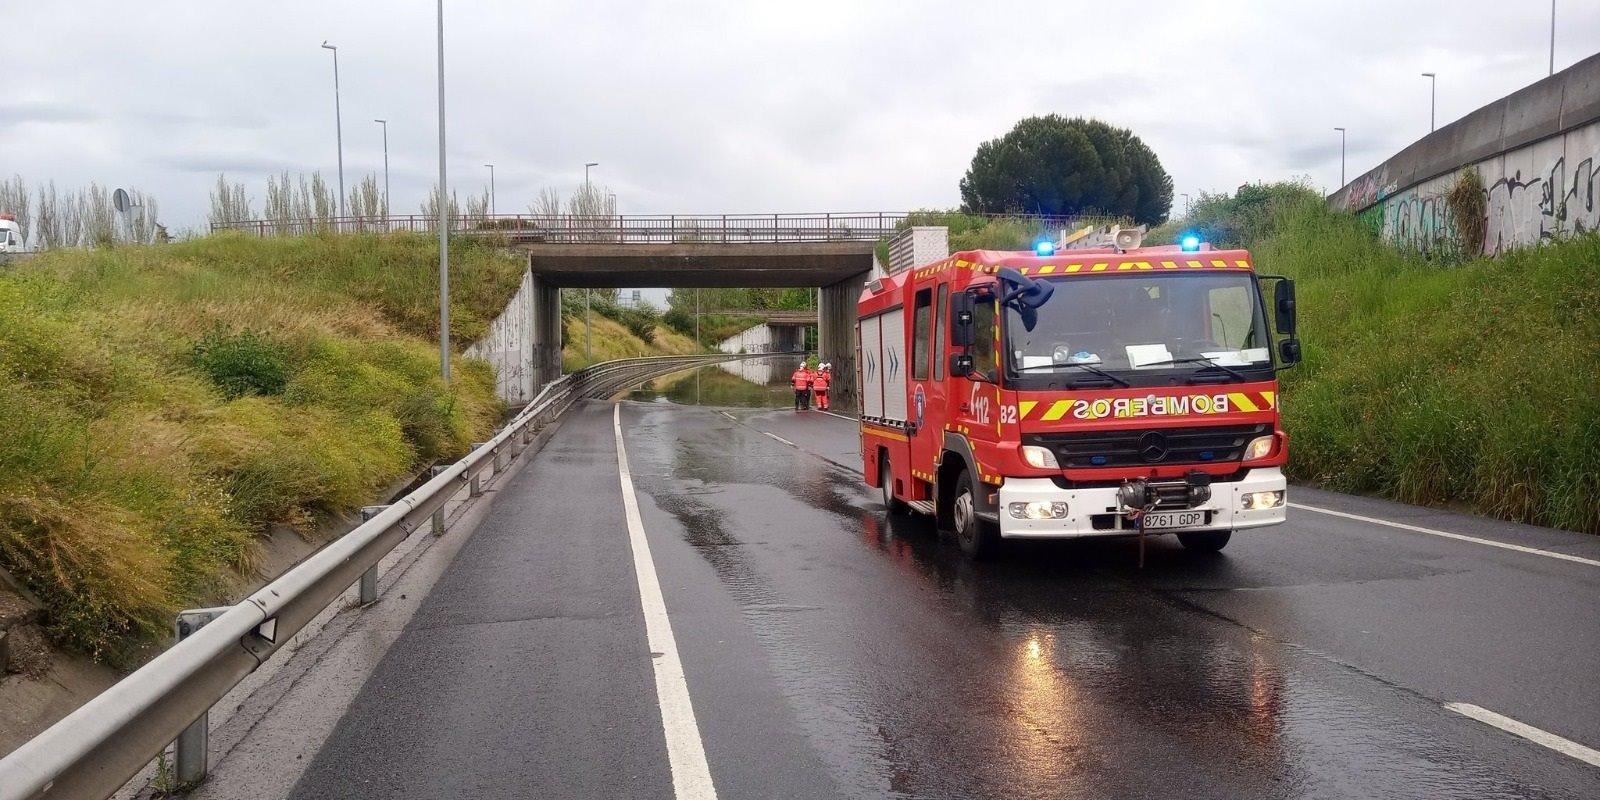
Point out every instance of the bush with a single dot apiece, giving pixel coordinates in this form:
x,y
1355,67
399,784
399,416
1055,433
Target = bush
x,y
241,363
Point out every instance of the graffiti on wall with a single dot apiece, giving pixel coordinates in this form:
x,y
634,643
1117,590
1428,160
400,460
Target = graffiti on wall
x,y
1534,194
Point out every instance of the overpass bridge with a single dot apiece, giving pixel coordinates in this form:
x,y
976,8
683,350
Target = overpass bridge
x,y
830,251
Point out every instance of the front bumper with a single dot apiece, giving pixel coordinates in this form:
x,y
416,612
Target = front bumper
x,y
1085,505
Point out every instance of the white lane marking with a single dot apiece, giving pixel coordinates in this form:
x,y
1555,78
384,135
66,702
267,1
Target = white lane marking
x,y
781,439
729,416
1446,534
1561,745
840,416
691,775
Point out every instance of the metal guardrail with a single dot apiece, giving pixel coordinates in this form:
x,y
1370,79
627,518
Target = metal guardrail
x,y
852,226
96,749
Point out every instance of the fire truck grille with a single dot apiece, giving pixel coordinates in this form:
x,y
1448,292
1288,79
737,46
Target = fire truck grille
x,y
1138,447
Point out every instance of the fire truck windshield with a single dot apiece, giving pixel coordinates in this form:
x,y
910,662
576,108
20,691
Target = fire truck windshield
x,y
1141,327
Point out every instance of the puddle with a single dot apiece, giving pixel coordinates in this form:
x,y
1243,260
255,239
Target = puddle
x,y
759,383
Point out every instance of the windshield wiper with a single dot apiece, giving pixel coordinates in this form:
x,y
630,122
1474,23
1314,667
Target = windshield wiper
x,y
1199,360
1096,370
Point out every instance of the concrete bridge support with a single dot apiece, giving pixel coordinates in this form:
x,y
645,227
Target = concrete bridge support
x,y
524,342
836,335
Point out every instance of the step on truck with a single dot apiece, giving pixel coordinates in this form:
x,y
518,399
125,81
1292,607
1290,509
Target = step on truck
x,y
1104,391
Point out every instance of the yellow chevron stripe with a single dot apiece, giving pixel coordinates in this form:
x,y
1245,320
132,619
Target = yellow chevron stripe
x,y
1024,406
1057,411
1272,399
1074,267
1100,267
1241,401
1242,264
1047,269
1194,264
1169,265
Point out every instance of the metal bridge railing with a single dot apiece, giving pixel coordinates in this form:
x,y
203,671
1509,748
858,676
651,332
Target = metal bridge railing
x,y
622,228
96,749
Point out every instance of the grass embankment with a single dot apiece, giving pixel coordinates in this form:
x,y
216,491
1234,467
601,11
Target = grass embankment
x,y
612,340
161,406
1475,382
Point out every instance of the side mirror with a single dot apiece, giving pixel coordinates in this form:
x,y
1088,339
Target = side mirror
x,y
1289,351
1283,302
962,333
960,365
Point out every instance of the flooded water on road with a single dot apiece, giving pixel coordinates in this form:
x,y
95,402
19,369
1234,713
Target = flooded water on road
x,y
759,383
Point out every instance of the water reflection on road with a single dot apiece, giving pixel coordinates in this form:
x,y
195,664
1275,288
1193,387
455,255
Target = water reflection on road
x,y
1061,670
757,383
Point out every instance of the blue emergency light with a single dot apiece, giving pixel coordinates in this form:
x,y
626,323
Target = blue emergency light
x,y
1044,247
1189,243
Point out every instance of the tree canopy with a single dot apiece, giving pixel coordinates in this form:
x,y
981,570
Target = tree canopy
x,y
1068,167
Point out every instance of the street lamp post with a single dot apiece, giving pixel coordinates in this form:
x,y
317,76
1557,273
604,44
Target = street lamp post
x,y
444,222
1185,196
491,188
588,329
385,124
338,121
1341,155
1433,95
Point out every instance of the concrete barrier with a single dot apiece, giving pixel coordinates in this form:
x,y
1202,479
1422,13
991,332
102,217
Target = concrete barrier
x,y
1537,151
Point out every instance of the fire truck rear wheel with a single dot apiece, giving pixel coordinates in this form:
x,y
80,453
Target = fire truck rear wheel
x,y
886,480
978,539
1205,541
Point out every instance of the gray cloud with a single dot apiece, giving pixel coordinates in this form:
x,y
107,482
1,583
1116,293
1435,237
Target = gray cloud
x,y
735,107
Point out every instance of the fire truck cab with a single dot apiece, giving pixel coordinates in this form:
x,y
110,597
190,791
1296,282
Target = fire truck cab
x,y
1077,393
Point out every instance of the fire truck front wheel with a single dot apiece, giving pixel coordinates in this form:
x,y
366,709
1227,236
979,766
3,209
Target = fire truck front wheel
x,y
977,538
1205,541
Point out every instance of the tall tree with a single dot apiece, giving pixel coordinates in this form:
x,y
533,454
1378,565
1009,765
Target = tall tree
x,y
1058,166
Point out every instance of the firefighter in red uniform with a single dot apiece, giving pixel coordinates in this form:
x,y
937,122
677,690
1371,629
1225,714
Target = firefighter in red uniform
x,y
801,380
819,384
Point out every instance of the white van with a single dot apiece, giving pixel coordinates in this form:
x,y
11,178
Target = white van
x,y
11,235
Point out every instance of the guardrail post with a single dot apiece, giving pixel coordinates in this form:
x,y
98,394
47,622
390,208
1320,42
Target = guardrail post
x,y
368,592
193,745
475,484
438,516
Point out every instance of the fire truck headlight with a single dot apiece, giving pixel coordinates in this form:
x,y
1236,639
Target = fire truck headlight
x,y
1040,457
1260,501
1260,447
1038,509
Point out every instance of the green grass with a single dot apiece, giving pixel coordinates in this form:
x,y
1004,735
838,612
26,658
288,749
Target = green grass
x,y
1474,384
162,406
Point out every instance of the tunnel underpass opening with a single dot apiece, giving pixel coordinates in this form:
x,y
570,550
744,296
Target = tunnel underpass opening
x,y
532,341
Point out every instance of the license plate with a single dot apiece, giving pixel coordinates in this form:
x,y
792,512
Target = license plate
x,y
1174,519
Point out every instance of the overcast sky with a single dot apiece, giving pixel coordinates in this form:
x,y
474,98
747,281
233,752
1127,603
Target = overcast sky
x,y
744,106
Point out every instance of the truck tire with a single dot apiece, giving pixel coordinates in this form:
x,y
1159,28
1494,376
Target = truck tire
x,y
976,538
891,503
1205,541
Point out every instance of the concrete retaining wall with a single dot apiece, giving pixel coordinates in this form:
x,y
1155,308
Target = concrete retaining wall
x,y
524,342
1537,151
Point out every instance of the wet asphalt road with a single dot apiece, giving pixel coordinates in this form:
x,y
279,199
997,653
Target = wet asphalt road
x,y
831,651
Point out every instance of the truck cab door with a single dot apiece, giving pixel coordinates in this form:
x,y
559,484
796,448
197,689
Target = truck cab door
x,y
926,400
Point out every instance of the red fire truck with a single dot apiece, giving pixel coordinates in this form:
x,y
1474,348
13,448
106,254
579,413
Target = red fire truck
x,y
1103,392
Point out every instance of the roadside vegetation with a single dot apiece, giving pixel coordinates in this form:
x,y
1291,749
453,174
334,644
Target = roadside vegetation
x,y
164,405
619,332
1451,381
